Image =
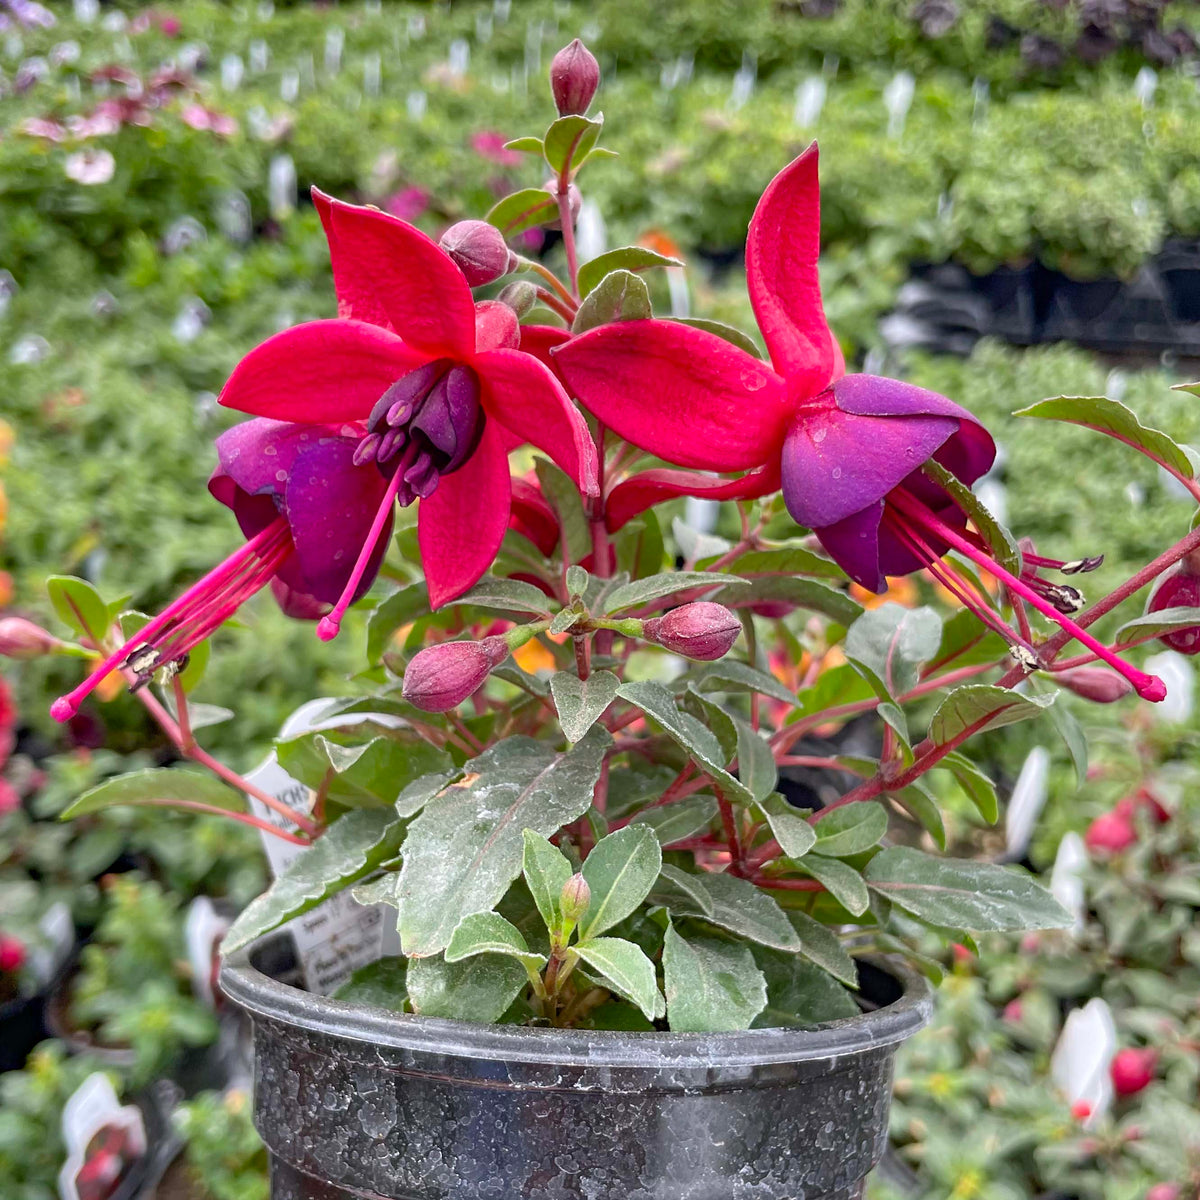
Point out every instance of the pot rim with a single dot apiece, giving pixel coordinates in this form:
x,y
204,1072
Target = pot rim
x,y
262,996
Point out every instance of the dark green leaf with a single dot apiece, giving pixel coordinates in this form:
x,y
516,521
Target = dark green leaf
x,y
563,497
800,993
392,614
979,706
794,834
625,258
489,933
156,786
786,560
619,296
639,546
712,985
756,763
823,947
840,880
349,850
893,641
546,870
625,967
961,894
804,593
467,845
1003,546
733,675
1166,620
620,871
523,210
509,595
381,984
981,791
681,892
921,804
79,605
680,819
643,591
850,829
729,333
569,140
478,989
740,907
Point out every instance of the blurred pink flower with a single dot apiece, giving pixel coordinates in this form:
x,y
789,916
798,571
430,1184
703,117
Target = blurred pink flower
x,y
43,127
408,203
490,145
90,167
199,117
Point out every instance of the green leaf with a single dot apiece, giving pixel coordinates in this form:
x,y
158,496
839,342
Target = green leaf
x,y
714,718
509,595
966,641
526,145
681,892
850,829
680,819
560,492
756,763
624,258
1068,728
894,641
79,605
546,869
787,560
1003,546
1166,620
841,685
490,933
577,582
349,850
619,296
381,984
740,907
627,970
800,993
980,790
523,210
393,613
959,894
730,674
374,771
643,591
980,706
477,989
1113,418
155,787
822,946
639,546
468,844
729,333
804,593
840,880
414,796
569,140
656,701
1194,388
581,701
620,871
712,985
794,834
922,805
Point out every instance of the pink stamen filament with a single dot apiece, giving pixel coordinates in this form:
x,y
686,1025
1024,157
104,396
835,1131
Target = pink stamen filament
x,y
329,627
267,548
1149,687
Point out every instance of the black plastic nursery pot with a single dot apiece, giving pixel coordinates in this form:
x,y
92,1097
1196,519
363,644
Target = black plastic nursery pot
x,y
359,1102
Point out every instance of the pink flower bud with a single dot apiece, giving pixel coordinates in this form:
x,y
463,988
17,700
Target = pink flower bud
x,y
520,296
478,250
574,78
12,953
443,676
1098,684
1132,1070
1145,799
20,638
702,630
1081,1110
576,896
1110,832
1179,588
1013,1011
1163,1191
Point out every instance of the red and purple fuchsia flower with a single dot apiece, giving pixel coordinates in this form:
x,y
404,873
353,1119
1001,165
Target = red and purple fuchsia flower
x,y
414,392
849,451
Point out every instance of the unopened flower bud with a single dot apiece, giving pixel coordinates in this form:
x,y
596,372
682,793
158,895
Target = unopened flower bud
x,y
1099,684
576,896
1132,1070
1110,832
1014,1011
12,953
702,630
1145,800
443,676
478,250
574,78
1179,588
1164,1191
20,638
520,296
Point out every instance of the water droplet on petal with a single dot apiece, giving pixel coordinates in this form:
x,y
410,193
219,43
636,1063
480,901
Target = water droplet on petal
x,y
837,472
281,476
753,380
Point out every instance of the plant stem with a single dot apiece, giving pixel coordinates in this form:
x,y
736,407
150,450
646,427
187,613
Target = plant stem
x,y
563,196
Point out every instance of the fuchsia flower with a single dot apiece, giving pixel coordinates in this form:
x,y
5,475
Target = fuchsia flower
x,y
413,392
847,450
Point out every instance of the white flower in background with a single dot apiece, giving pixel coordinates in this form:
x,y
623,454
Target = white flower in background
x,y
1027,800
1066,879
1177,673
90,167
1082,1058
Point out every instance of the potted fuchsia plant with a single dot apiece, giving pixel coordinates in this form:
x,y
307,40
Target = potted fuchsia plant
x,y
629,967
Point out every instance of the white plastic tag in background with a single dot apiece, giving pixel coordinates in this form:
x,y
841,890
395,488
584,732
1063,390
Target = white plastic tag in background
x,y
336,938
202,933
94,1107
1082,1058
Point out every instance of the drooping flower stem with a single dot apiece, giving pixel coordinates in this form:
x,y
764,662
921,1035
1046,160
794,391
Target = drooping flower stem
x,y
563,195
1149,687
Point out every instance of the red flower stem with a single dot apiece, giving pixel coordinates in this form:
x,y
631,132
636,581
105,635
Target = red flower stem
x,y
1147,686
551,301
473,743
553,280
787,885
815,761
732,838
563,196
583,655
600,793
244,818
187,742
